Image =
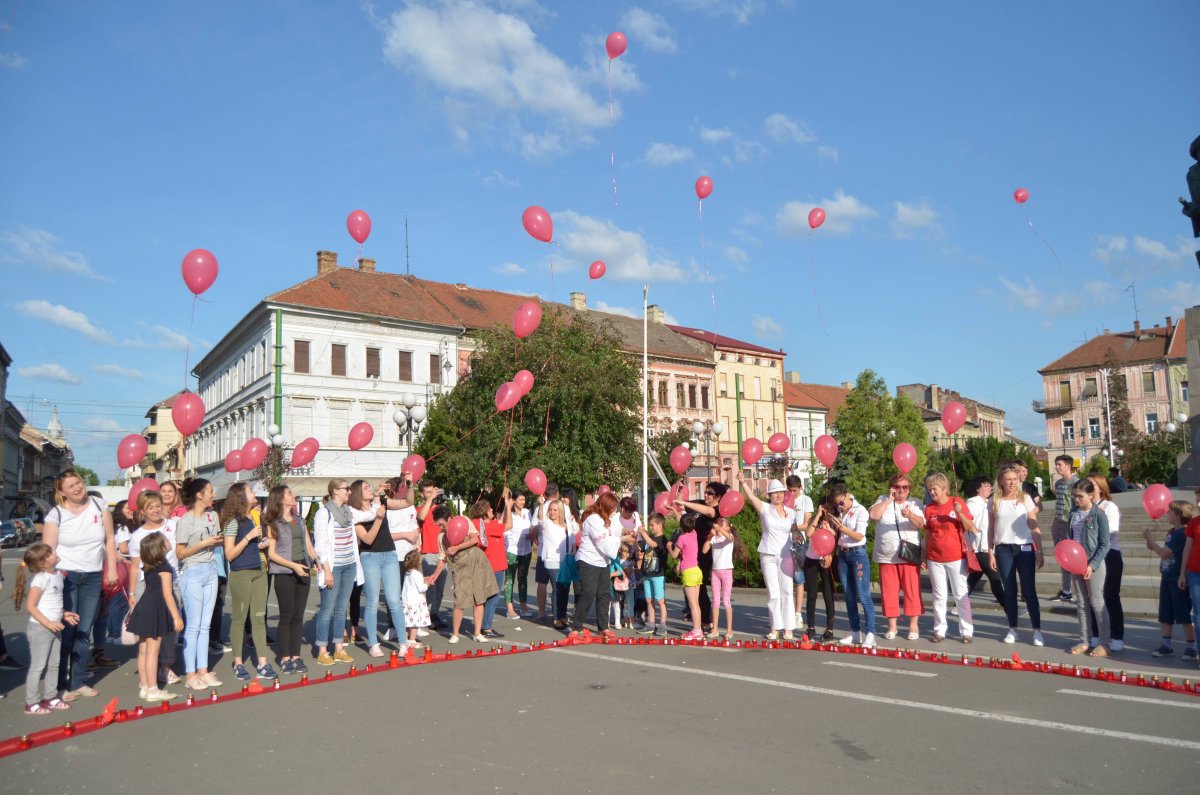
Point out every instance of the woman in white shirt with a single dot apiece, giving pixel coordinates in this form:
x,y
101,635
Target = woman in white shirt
x,y
854,569
1016,549
980,489
520,552
600,539
1114,567
775,555
554,543
898,517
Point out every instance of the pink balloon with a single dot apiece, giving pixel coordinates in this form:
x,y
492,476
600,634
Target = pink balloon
x,y
826,449
254,452
199,270
615,45
822,541
1020,195
361,435
904,457
537,223
524,381
1070,556
704,187
731,503
527,318
953,416
1156,499
358,224
662,503
233,461
304,452
457,529
507,396
816,217
779,442
789,500
535,481
145,484
131,450
681,459
603,490
187,412
597,269
414,465
752,451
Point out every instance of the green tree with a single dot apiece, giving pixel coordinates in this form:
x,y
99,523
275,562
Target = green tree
x,y
981,455
90,478
1098,463
1123,432
273,469
580,423
661,446
115,482
1154,458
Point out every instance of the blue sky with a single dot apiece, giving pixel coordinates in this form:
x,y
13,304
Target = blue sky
x,y
134,133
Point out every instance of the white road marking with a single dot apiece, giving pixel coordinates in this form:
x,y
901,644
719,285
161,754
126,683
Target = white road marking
x,y
879,668
1139,699
872,699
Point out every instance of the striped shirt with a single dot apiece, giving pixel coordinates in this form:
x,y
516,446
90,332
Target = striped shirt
x,y
344,541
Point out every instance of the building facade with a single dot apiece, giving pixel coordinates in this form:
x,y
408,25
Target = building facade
x,y
163,448
982,420
811,411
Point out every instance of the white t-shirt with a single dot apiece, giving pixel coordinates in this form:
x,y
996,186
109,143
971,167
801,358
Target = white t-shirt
x,y
776,530
51,600
122,535
891,526
80,536
631,524
516,538
135,545
1113,514
552,544
855,519
802,505
402,520
978,507
1012,521
600,540
722,552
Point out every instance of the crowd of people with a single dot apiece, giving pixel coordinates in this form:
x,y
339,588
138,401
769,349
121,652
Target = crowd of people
x,y
159,572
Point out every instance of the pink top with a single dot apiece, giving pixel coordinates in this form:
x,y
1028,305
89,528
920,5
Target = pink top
x,y
689,549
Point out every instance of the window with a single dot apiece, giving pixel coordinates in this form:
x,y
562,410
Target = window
x,y
724,385
1089,388
679,395
1183,391
339,422
435,369
1151,422
729,429
374,416
704,396
757,388
1068,429
1093,427
1148,382
1064,393
337,363
662,393
372,362
405,371
650,391
691,396
302,421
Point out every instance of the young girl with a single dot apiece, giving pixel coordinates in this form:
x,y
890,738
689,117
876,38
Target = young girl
x,y
155,615
686,549
1089,526
416,608
1174,603
725,543
151,510
46,616
619,576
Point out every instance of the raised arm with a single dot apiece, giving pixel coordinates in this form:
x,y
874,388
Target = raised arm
x,y
750,495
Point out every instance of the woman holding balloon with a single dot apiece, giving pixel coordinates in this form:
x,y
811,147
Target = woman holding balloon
x,y
1114,568
775,554
1015,540
1089,529
472,575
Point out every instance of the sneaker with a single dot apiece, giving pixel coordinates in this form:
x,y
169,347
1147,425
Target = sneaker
x,y
1011,637
196,682
849,640
512,617
211,680
1163,651
240,673
953,610
827,635
914,636
641,626
298,666
692,634
1038,640
1116,645
388,634
772,635
452,639
265,671
287,668
1189,653
1061,596
800,625
660,631
341,655
491,633
869,641
375,651
788,635
480,638
647,629
422,633
324,659
889,635
225,647
154,694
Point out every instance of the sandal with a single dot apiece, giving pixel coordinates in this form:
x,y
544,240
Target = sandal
x,y
37,709
1078,648
56,703
1098,651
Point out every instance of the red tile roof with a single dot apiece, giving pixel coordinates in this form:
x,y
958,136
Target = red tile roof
x,y
1150,344
815,396
721,341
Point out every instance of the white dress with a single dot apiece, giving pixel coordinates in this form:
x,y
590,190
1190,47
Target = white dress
x,y
416,609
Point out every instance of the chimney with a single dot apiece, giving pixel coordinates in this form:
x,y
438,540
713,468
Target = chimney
x,y
579,301
935,397
1170,326
847,385
655,314
326,261
792,377
1137,329
366,264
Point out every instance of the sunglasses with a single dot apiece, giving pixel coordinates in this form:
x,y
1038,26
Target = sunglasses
x,y
710,494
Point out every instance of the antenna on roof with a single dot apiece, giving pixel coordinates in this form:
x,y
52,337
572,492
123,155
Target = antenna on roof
x,y
407,272
1133,290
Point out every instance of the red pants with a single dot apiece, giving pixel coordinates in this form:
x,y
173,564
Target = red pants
x,y
896,576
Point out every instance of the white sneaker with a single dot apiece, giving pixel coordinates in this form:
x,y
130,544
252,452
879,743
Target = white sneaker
x,y
849,640
788,635
422,633
1116,645
772,635
800,625
1038,640
869,640
1011,637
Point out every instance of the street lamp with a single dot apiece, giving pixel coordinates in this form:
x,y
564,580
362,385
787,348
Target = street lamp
x,y
409,418
707,432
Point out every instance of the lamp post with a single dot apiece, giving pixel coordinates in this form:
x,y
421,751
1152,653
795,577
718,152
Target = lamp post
x,y
409,418
708,431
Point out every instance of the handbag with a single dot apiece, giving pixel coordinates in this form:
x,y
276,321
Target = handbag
x,y
568,572
799,550
908,551
128,638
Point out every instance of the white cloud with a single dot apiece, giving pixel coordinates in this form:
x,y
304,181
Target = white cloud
x,y
628,255
39,248
1029,296
63,317
535,147
509,269
829,154
1146,256
784,130
842,213
1109,246
50,372
766,328
913,219
12,60
745,151
498,180
117,370
667,154
166,339
103,424
741,10
715,136
1024,295
1156,249
649,31
1178,297
602,306
737,256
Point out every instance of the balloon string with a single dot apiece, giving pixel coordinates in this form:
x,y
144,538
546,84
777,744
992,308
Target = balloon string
x,y
812,280
712,290
187,354
1038,235
612,135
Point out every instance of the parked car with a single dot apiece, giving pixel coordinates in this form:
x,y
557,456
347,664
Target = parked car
x,y
32,533
12,534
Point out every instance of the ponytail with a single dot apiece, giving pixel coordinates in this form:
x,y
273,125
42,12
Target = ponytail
x,y
33,560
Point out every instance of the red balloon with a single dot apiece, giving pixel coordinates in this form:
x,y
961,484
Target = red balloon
x,y
507,396
527,318
603,490
822,542
826,449
904,457
1156,499
953,416
361,435
254,452
131,450
358,224
779,442
535,481
1020,195
789,500
615,45
233,461
1070,556
457,529
199,270
816,217
537,223
305,452
414,465
597,269
145,484
524,381
731,503
752,450
704,187
187,412
681,459
662,503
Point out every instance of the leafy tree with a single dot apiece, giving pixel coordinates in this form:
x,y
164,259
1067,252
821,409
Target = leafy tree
x,y
1123,431
662,445
273,469
1154,458
90,478
115,482
1098,463
580,423
981,455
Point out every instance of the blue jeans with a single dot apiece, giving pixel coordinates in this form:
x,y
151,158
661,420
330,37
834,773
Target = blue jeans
x,y
1193,581
1011,562
489,607
381,568
199,586
854,570
81,594
334,601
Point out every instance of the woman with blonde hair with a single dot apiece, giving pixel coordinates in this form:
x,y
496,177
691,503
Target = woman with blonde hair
x,y
339,569
947,521
173,506
1114,568
247,580
1015,542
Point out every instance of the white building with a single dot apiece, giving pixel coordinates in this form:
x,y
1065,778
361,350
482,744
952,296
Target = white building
x,y
811,410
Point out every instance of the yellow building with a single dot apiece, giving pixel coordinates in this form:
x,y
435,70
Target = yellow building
x,y
162,440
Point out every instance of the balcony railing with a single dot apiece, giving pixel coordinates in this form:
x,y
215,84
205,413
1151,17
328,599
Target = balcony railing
x,y
1055,406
